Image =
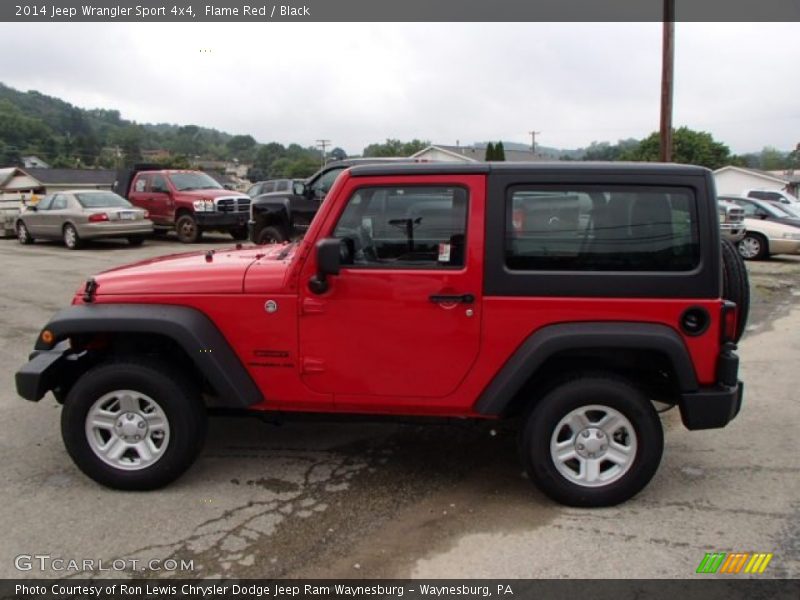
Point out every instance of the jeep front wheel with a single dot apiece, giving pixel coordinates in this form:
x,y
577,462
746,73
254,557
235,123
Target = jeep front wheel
x,y
187,229
132,425
592,441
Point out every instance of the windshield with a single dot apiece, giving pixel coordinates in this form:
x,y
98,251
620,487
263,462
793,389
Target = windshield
x,y
184,182
793,210
102,200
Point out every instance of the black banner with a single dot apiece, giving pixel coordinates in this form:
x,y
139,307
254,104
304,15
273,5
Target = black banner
x,y
396,10
701,588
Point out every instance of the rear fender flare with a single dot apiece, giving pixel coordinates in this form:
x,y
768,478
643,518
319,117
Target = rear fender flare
x,y
549,341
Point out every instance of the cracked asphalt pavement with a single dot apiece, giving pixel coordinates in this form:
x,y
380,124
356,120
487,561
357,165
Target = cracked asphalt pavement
x,y
359,499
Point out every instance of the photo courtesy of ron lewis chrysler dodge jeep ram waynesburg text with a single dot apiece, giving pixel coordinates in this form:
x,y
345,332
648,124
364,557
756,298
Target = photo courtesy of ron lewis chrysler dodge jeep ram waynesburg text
x,y
569,297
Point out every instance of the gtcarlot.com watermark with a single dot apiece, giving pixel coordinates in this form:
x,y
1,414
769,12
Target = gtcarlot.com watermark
x,y
45,562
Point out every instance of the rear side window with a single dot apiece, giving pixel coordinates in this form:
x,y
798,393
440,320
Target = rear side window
x,y
404,227
141,183
601,229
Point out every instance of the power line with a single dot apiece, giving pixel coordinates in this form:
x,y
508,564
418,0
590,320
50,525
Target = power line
x,y
323,144
533,135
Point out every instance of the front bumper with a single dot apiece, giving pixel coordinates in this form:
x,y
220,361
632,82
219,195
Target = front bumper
x,y
733,233
715,406
46,370
217,220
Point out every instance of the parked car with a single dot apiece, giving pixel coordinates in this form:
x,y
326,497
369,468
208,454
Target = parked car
x,y
771,229
190,202
731,220
417,292
772,196
271,185
281,216
79,215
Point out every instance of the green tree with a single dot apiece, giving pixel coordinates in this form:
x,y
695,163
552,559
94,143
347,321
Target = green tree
x,y
689,147
338,154
773,159
266,155
500,151
242,147
393,147
490,152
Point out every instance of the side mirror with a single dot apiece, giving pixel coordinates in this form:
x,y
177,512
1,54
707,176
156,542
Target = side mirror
x,y
31,207
328,263
299,188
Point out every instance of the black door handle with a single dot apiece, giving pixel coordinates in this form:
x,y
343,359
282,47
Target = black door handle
x,y
447,299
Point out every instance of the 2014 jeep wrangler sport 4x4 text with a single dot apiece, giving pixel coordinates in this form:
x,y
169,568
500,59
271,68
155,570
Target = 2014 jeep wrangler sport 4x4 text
x,y
571,297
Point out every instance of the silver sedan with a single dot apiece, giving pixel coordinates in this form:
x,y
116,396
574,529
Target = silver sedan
x,y
79,215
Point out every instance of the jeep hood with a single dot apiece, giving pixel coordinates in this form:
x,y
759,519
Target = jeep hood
x,y
220,271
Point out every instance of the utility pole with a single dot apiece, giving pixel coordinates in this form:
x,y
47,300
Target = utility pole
x,y
323,144
533,135
667,63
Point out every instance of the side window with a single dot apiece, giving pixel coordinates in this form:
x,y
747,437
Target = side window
x,y
282,186
773,196
140,183
601,229
404,227
268,187
325,182
158,184
59,202
45,203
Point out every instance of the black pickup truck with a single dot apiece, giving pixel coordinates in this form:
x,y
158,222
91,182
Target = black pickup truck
x,y
281,216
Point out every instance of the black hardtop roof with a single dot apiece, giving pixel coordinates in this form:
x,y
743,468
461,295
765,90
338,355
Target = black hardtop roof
x,y
447,168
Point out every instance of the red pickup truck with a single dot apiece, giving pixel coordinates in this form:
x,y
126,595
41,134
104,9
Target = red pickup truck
x,y
189,202
567,297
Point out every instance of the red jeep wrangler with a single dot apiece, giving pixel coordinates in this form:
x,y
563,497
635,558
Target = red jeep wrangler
x,y
188,201
570,296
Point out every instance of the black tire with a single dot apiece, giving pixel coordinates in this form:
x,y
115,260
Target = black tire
x,y
735,284
239,234
23,235
753,246
187,229
136,240
592,390
270,235
176,396
71,238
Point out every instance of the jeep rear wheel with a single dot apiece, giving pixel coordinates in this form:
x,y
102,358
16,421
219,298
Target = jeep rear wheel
x,y
187,229
735,285
133,426
592,441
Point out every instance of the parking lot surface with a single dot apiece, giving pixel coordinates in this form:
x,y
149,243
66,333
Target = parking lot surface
x,y
356,499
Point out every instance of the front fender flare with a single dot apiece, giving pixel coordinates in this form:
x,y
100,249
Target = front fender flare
x,y
192,330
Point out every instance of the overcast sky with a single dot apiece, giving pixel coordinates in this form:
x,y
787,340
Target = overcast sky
x,y
361,83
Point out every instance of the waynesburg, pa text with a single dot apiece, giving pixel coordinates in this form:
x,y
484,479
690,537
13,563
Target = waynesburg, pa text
x,y
257,590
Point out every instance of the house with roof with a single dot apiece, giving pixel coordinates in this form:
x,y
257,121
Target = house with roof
x,y
471,154
734,181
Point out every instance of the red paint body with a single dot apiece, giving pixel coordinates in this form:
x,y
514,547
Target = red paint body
x,y
374,343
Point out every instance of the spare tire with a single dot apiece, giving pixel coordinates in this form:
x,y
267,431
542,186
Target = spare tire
x,y
735,284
